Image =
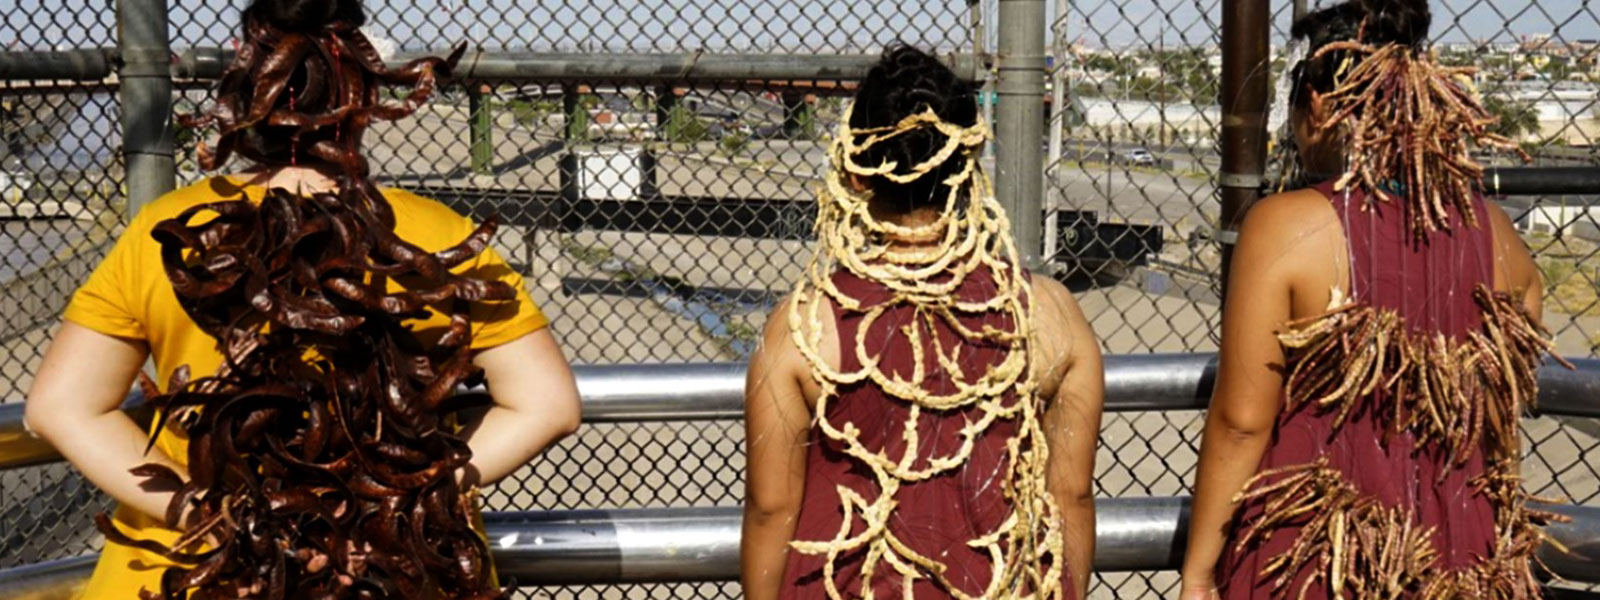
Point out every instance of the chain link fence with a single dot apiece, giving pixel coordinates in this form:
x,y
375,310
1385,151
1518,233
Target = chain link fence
x,y
659,221
1132,175
61,206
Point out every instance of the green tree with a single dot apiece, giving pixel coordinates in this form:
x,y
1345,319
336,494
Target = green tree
x,y
1101,62
683,127
1515,118
1557,69
734,143
530,113
578,123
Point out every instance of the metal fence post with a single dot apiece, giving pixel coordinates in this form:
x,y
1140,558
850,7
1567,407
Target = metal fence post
x,y
1246,63
481,128
1059,47
1019,127
146,89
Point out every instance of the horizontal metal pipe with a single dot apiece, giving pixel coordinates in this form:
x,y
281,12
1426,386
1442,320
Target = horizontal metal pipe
x,y
208,63
1534,181
715,391
1141,382
1570,392
92,64
689,392
616,546
54,579
1581,539
702,544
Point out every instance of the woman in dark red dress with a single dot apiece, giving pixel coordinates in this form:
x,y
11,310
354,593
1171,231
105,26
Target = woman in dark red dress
x,y
1380,341
922,415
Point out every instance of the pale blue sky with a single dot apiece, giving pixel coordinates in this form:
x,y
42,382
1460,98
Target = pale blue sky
x,y
1119,22
754,25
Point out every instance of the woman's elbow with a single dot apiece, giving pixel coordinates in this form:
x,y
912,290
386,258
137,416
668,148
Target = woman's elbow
x,y
1081,499
1239,428
568,422
770,511
560,419
42,420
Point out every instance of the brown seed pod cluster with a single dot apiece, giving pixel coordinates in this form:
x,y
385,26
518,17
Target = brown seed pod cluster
x,y
1411,124
1452,395
1458,396
323,455
1358,548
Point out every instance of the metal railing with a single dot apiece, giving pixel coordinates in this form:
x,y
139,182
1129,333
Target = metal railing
x,y
205,64
701,544
715,391
731,98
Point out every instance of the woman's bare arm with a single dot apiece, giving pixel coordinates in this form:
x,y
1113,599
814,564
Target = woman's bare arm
x,y
1072,425
1246,400
1515,269
76,405
777,418
535,404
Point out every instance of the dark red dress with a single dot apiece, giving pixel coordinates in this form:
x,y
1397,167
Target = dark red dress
x,y
936,517
1431,286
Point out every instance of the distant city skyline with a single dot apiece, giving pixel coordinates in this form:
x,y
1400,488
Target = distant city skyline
x,y
796,26
1111,23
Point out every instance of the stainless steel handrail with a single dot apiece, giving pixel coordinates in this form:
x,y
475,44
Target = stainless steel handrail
x,y
715,391
702,544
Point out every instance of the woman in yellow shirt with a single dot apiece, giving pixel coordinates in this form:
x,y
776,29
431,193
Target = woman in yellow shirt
x,y
140,305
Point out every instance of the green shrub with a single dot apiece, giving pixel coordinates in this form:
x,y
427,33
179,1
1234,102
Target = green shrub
x,y
683,127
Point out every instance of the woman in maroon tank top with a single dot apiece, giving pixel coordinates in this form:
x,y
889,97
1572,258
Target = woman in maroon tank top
x,y
1363,442
921,417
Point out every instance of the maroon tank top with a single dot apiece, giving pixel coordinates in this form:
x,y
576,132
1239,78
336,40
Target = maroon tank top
x,y
934,517
1430,285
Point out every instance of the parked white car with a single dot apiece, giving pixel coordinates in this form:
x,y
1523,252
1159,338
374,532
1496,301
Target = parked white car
x,y
1138,157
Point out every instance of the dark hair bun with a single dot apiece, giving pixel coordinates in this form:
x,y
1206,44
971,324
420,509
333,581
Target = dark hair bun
x,y
1397,21
906,82
307,16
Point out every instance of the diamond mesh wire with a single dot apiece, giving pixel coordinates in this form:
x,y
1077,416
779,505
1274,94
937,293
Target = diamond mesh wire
x,y
60,205
1144,75
688,274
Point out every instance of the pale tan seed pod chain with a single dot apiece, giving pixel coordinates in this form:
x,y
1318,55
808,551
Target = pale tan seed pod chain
x,y
972,233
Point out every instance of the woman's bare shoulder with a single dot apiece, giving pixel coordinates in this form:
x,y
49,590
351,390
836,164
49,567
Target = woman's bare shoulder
x,y
1285,234
1289,213
1060,330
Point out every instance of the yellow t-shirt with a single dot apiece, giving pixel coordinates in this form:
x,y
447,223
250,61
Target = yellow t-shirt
x,y
129,296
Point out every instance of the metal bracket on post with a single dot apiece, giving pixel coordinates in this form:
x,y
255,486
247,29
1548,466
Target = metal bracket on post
x,y
1019,120
1249,181
146,89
